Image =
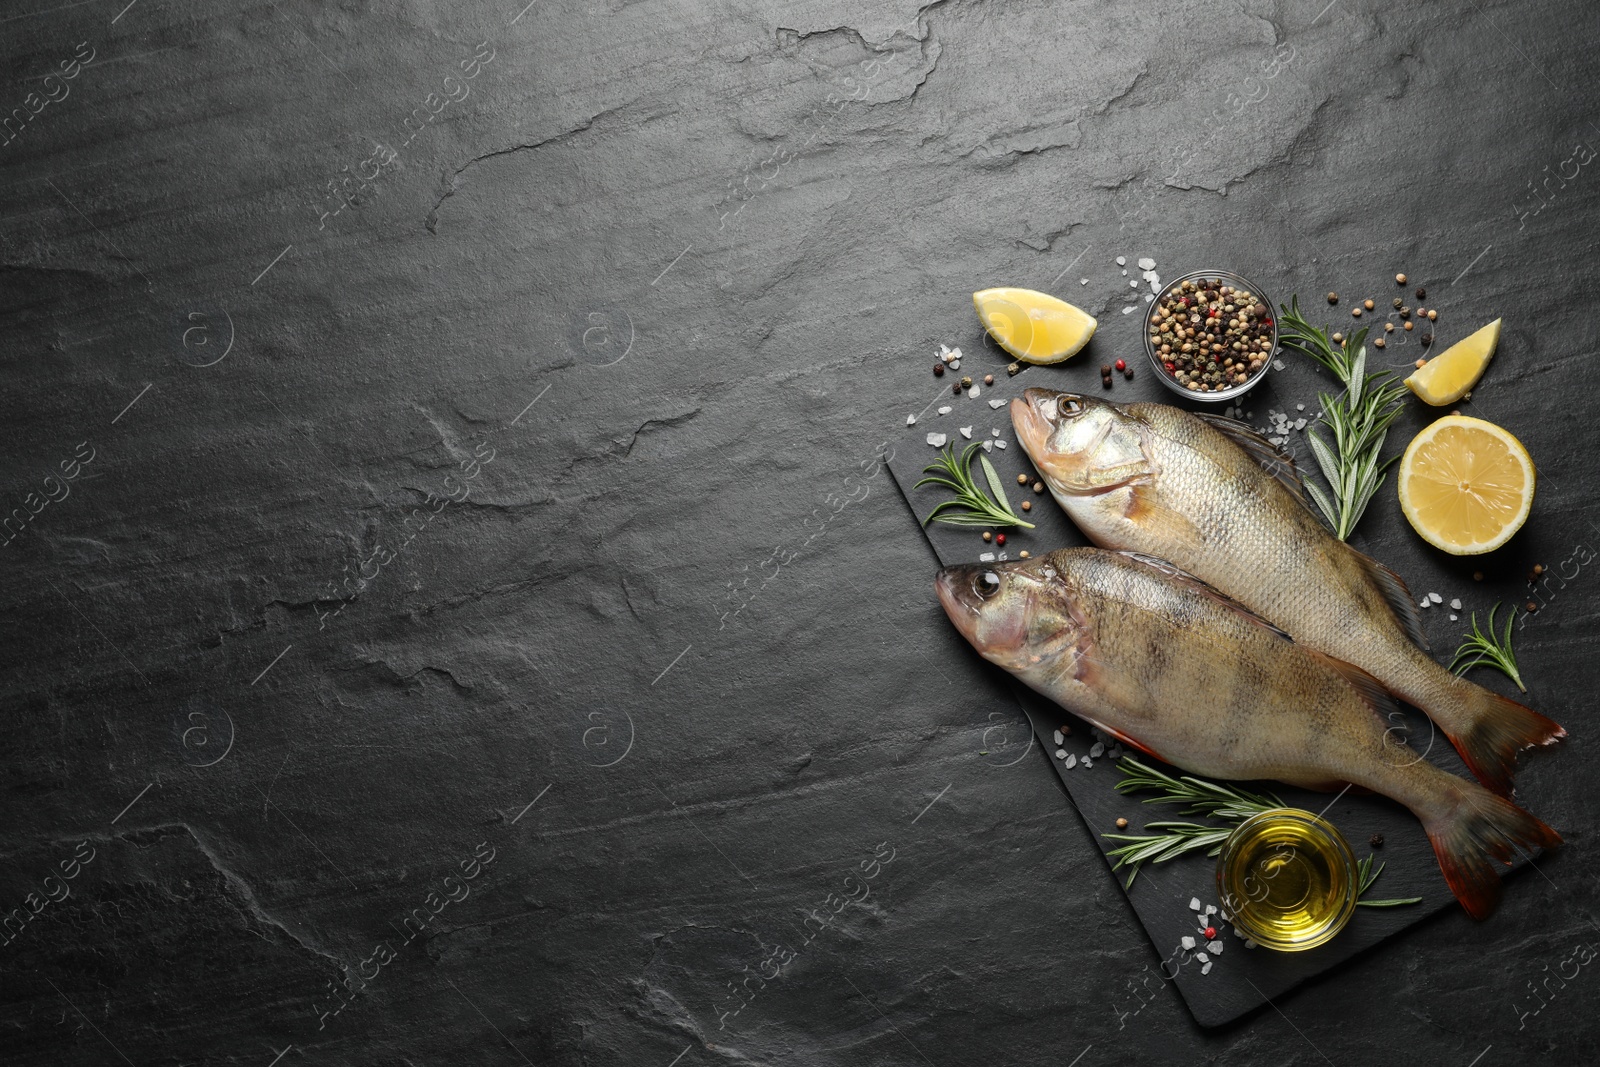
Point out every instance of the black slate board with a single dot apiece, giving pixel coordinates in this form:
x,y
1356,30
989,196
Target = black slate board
x,y
1241,979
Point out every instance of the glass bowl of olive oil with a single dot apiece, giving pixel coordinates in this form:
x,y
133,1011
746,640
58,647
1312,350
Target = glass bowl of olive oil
x,y
1287,879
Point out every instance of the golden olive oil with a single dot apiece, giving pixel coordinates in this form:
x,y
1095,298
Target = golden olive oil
x,y
1287,879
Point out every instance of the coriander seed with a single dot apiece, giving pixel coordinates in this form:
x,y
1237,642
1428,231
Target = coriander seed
x,y
1038,487
1433,314
1409,325
1122,824
988,379
1400,278
1367,304
987,536
1022,479
1333,298
1355,313
1379,343
1027,505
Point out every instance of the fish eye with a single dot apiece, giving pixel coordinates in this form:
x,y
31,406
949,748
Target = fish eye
x,y
1068,407
986,584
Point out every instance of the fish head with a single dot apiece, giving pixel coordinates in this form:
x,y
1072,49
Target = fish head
x,y
1020,615
1082,445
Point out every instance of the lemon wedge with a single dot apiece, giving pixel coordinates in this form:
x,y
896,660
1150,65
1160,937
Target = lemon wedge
x,y
1035,327
1451,374
1466,485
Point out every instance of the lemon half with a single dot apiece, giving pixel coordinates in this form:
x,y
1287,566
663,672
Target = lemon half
x,y
1035,327
1451,374
1466,485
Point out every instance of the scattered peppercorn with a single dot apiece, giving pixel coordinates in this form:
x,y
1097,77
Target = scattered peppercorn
x,y
1380,343
938,370
1106,381
1427,339
1022,479
1433,314
1532,607
1421,292
1211,933
955,387
1000,539
1128,374
1208,335
1122,364
1023,554
1027,505
1538,569
1105,370
1388,327
1376,840
987,536
1066,731
1122,824
1355,313
1399,303
1038,487
966,383
1421,363
1405,312
1333,298
1400,278
1367,304
1409,325
988,379
1338,337
1477,576
1013,368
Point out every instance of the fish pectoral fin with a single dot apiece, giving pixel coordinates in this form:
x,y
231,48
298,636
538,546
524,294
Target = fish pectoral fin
x,y
1190,582
1131,743
1269,457
1368,688
1397,596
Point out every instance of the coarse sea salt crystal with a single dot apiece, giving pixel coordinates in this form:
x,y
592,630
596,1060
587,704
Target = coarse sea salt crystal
x,y
1147,263
1201,957
1454,617
1122,261
1424,603
911,420
955,353
1155,286
987,557
997,403
1214,947
1277,364
1097,749
1131,283
937,440
1149,298
1087,762
1205,968
1187,942
1456,604
955,364
999,444
1072,761
945,409
1436,598
1056,737
966,431
1248,943
1083,281
1004,557
1299,407
973,393
988,443
1061,753
1194,903
1211,909
1299,424
994,433
1130,309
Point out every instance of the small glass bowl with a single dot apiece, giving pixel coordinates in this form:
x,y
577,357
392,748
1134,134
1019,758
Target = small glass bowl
x,y
1159,366
1287,879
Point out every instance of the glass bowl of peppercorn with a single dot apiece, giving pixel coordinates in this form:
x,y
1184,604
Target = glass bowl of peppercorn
x,y
1210,335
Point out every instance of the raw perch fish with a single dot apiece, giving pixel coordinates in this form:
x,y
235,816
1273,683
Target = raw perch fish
x,y
1171,667
1220,501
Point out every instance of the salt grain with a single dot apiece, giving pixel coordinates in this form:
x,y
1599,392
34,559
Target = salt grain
x,y
937,440
1188,942
988,443
1214,947
1147,263
945,409
1194,903
1456,604
1436,598
955,353
1299,407
1149,298
1205,968
911,420
1277,364
1424,603
999,444
1056,737
997,403
1453,618
966,431
1087,762
987,557
1122,261
1211,909
1130,309
1201,957
1061,753
994,433
1083,281
973,393
1072,761
1097,750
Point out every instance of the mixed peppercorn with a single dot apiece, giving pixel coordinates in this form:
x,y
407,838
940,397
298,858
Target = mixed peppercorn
x,y
1211,336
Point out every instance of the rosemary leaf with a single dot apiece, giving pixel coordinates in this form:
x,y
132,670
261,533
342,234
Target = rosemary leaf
x,y
971,505
1490,649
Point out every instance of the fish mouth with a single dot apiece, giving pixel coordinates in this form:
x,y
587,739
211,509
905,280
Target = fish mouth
x,y
962,594
1036,414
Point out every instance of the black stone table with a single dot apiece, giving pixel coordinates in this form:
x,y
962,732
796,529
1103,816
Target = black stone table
x,y
456,608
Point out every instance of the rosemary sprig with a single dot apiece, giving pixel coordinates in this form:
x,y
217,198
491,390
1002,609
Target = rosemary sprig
x,y
1359,419
1175,839
972,506
1490,649
1200,797
1368,876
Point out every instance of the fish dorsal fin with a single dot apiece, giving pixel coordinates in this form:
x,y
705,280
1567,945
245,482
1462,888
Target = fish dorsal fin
x,y
1268,456
1397,596
1372,692
1188,581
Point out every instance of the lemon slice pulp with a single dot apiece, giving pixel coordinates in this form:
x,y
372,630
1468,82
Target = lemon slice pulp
x,y
1035,327
1466,485
1448,377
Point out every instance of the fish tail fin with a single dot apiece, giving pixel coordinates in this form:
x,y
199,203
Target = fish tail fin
x,y
1475,829
1497,729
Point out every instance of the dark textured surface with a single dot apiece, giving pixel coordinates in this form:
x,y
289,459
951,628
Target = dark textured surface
x,y
674,604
